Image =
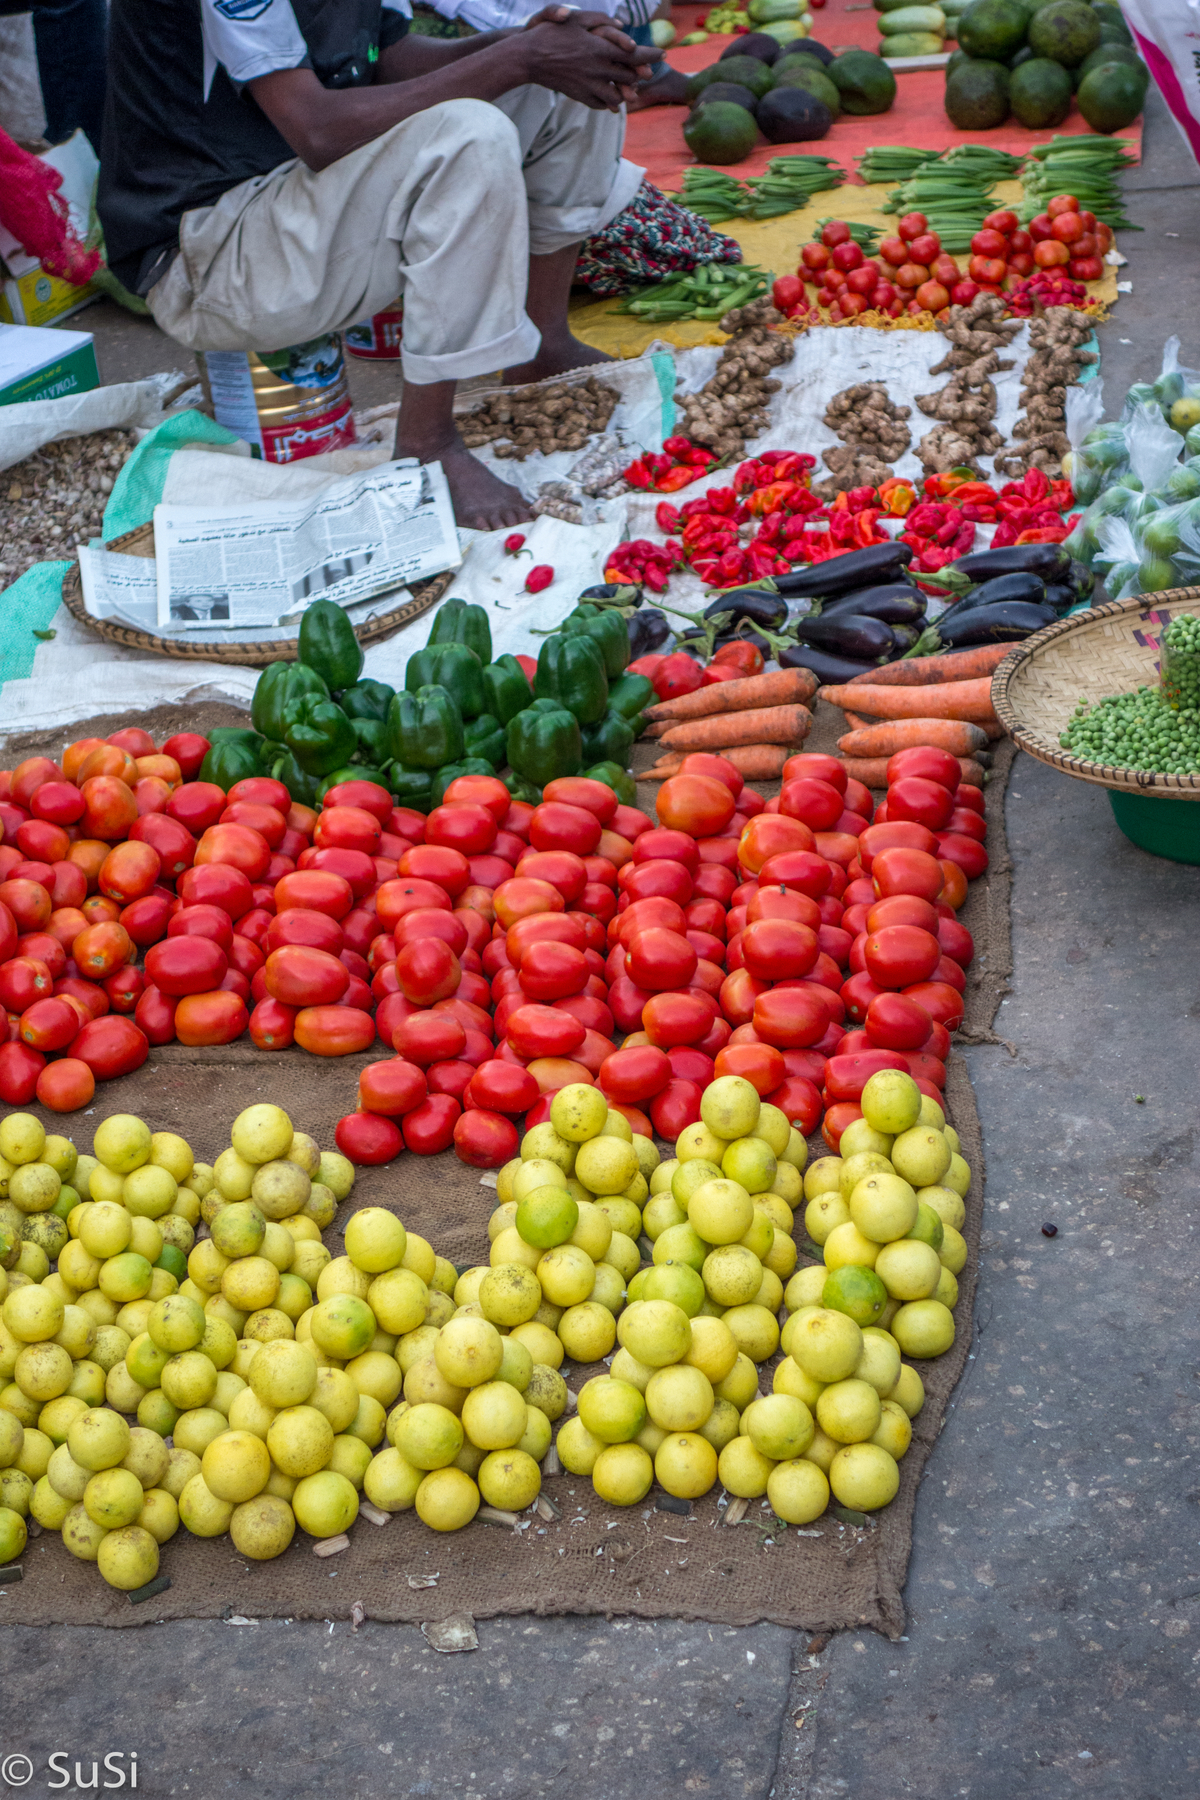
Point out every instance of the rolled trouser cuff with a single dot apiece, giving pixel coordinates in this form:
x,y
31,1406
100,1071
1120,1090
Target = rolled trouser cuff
x,y
517,346
552,228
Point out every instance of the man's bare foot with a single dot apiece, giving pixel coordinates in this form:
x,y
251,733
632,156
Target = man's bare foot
x,y
554,358
667,89
482,502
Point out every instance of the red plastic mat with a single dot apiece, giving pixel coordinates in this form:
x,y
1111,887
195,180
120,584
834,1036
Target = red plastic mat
x,y
655,137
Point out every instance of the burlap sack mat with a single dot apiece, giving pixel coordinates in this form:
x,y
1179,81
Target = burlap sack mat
x,y
596,1558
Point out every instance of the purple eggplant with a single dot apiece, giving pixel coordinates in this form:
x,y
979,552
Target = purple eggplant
x,y
897,603
1006,623
830,671
848,634
1050,561
843,574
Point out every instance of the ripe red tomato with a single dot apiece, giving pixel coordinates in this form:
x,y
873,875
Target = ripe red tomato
x,y
846,1076
970,856
919,801
927,762
907,871
268,821
129,871
783,903
775,948
902,909
484,1139
502,1087
437,863
950,972
66,1085
769,835
943,1003
351,828
675,1107
124,988
319,890
956,941
739,991
657,879
837,1118
857,994
42,842
541,1031
368,1139
272,1025
699,804
790,1017
626,1001
49,1024
799,1101
898,955
187,965
552,971
660,960
20,1068
428,1037
555,826
525,895
675,846
216,1017
111,1046
429,1128
334,1030
197,806
896,1023
28,903
817,803
685,1018
561,869
759,1064
30,775
101,949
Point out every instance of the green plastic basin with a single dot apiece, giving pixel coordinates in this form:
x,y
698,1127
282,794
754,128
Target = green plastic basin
x,y
1165,827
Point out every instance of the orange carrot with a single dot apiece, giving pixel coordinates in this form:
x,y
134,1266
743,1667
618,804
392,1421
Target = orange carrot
x,y
779,687
954,735
951,665
856,720
872,771
756,762
950,700
764,725
654,730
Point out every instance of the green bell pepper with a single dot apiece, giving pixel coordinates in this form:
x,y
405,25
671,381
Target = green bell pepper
x,y
544,742
318,734
618,779
630,695
425,729
571,671
466,765
235,755
609,741
411,786
606,627
367,700
506,688
299,784
485,737
353,772
520,789
373,741
276,688
454,667
455,622
328,645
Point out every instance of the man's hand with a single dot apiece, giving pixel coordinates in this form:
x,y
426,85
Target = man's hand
x,y
597,65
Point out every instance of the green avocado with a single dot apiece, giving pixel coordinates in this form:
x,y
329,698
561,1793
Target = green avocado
x,y
864,81
747,71
1039,93
814,80
1111,96
993,30
1066,31
721,133
976,97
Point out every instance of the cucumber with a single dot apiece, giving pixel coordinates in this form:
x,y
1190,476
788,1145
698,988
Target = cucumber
x,y
912,43
766,12
913,18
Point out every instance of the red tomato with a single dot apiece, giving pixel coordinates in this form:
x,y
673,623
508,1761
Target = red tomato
x,y
197,806
670,1019
317,889
154,1015
928,763
172,842
393,1087
799,1101
899,870
40,841
817,803
857,994
20,1069
922,802
971,857
966,823
1051,254
898,955
66,1085
28,903
896,1023
956,941
656,910
217,1017
932,296
554,1072
769,835
626,1001
70,885
301,925
837,1118
540,1031
902,909
368,1139
129,871
551,971
600,901
438,863
759,1064
49,1024
187,965
904,834
790,1017
555,826
658,879
93,998
111,1046
523,896
189,750
803,871
628,822
351,828
713,768
579,791
689,1064
660,960
950,972
698,804
774,948
30,775
334,1030
395,898
501,1087
846,1076
125,988
272,1025
216,885
739,992
955,891
783,903
146,920
101,949
44,947
675,1107
484,1139
430,923
236,846
561,869
943,1003
98,911
267,822
65,924
675,846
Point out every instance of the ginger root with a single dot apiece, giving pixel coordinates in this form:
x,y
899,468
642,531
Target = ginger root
x,y
873,434
732,405
561,416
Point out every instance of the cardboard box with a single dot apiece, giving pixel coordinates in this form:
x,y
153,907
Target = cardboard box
x,y
36,364
29,295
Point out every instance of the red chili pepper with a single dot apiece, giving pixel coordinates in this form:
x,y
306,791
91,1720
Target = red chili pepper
x,y
681,476
677,446
707,569
722,501
666,517
637,474
731,567
514,544
539,578
982,515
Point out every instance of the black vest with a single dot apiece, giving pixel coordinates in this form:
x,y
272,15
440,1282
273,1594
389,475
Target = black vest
x,y
166,149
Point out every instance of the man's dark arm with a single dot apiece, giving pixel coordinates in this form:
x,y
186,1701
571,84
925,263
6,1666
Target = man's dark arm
x,y
414,55
323,124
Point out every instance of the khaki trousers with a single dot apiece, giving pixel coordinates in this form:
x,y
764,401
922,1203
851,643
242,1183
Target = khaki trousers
x,y
444,209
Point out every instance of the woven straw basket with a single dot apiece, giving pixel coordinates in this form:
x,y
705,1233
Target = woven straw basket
x,y
1108,650
256,655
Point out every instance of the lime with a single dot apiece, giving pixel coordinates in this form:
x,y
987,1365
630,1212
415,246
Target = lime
x,y
856,1291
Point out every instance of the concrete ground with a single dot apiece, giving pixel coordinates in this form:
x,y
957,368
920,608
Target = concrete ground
x,y
1053,1644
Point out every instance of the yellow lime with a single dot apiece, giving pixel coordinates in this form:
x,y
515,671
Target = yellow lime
x,y
864,1476
856,1291
924,1328
447,1500
744,1470
891,1101
849,1411
779,1426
